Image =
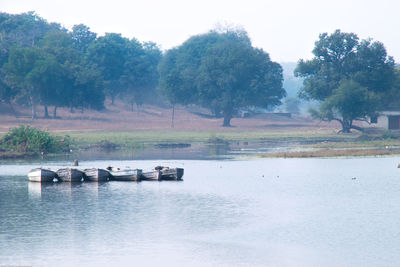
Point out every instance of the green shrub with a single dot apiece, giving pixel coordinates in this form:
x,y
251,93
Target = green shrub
x,y
31,140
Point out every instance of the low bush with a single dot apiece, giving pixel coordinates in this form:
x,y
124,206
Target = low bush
x,y
27,139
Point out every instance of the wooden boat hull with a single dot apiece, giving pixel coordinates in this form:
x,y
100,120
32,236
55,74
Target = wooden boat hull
x,y
97,175
126,175
41,175
152,175
70,175
172,174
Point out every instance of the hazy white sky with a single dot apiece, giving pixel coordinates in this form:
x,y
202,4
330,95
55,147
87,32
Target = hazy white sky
x,y
286,29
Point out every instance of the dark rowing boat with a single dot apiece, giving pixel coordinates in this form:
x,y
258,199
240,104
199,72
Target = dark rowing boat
x,y
70,175
171,173
126,174
97,175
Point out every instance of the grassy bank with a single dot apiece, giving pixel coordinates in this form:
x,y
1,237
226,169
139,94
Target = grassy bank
x,y
310,143
324,153
118,128
307,143
132,138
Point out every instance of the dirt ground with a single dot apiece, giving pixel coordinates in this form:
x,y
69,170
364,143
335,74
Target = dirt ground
x,y
119,117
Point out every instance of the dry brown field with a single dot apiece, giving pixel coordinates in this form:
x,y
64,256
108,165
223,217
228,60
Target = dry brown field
x,y
120,117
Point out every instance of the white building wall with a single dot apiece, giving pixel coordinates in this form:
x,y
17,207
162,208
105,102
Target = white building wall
x,y
383,122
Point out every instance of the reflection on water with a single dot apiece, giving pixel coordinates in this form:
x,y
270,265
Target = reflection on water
x,y
195,151
35,189
270,212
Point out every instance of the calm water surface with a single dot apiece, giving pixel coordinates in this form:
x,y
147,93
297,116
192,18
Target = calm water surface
x,y
269,212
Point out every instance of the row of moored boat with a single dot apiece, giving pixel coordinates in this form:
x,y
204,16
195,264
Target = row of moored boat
x,y
100,175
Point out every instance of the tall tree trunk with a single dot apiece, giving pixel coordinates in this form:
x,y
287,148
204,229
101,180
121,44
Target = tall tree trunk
x,y
227,118
33,108
33,112
46,112
12,108
55,112
173,116
138,108
346,125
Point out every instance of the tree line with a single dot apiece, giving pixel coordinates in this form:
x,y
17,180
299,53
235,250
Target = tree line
x,y
43,63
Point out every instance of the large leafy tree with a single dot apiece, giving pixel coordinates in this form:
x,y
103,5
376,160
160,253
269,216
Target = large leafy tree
x,y
140,77
82,37
47,79
223,72
18,69
25,29
43,63
352,79
53,74
109,53
19,31
70,82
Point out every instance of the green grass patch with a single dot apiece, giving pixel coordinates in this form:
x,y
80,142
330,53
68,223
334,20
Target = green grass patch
x,y
324,153
134,138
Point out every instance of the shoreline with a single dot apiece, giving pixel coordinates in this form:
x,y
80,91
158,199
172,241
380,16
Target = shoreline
x,y
332,153
255,144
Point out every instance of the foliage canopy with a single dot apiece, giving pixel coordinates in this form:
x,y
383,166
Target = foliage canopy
x,y
43,63
221,71
352,79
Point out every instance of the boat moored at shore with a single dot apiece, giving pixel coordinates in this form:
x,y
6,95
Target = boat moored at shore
x,y
97,175
170,173
70,175
41,175
159,173
154,175
125,174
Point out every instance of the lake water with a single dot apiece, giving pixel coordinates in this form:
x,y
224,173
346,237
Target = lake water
x,y
264,212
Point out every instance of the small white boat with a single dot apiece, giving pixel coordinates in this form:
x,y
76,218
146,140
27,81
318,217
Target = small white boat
x,y
126,174
70,175
41,175
97,175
